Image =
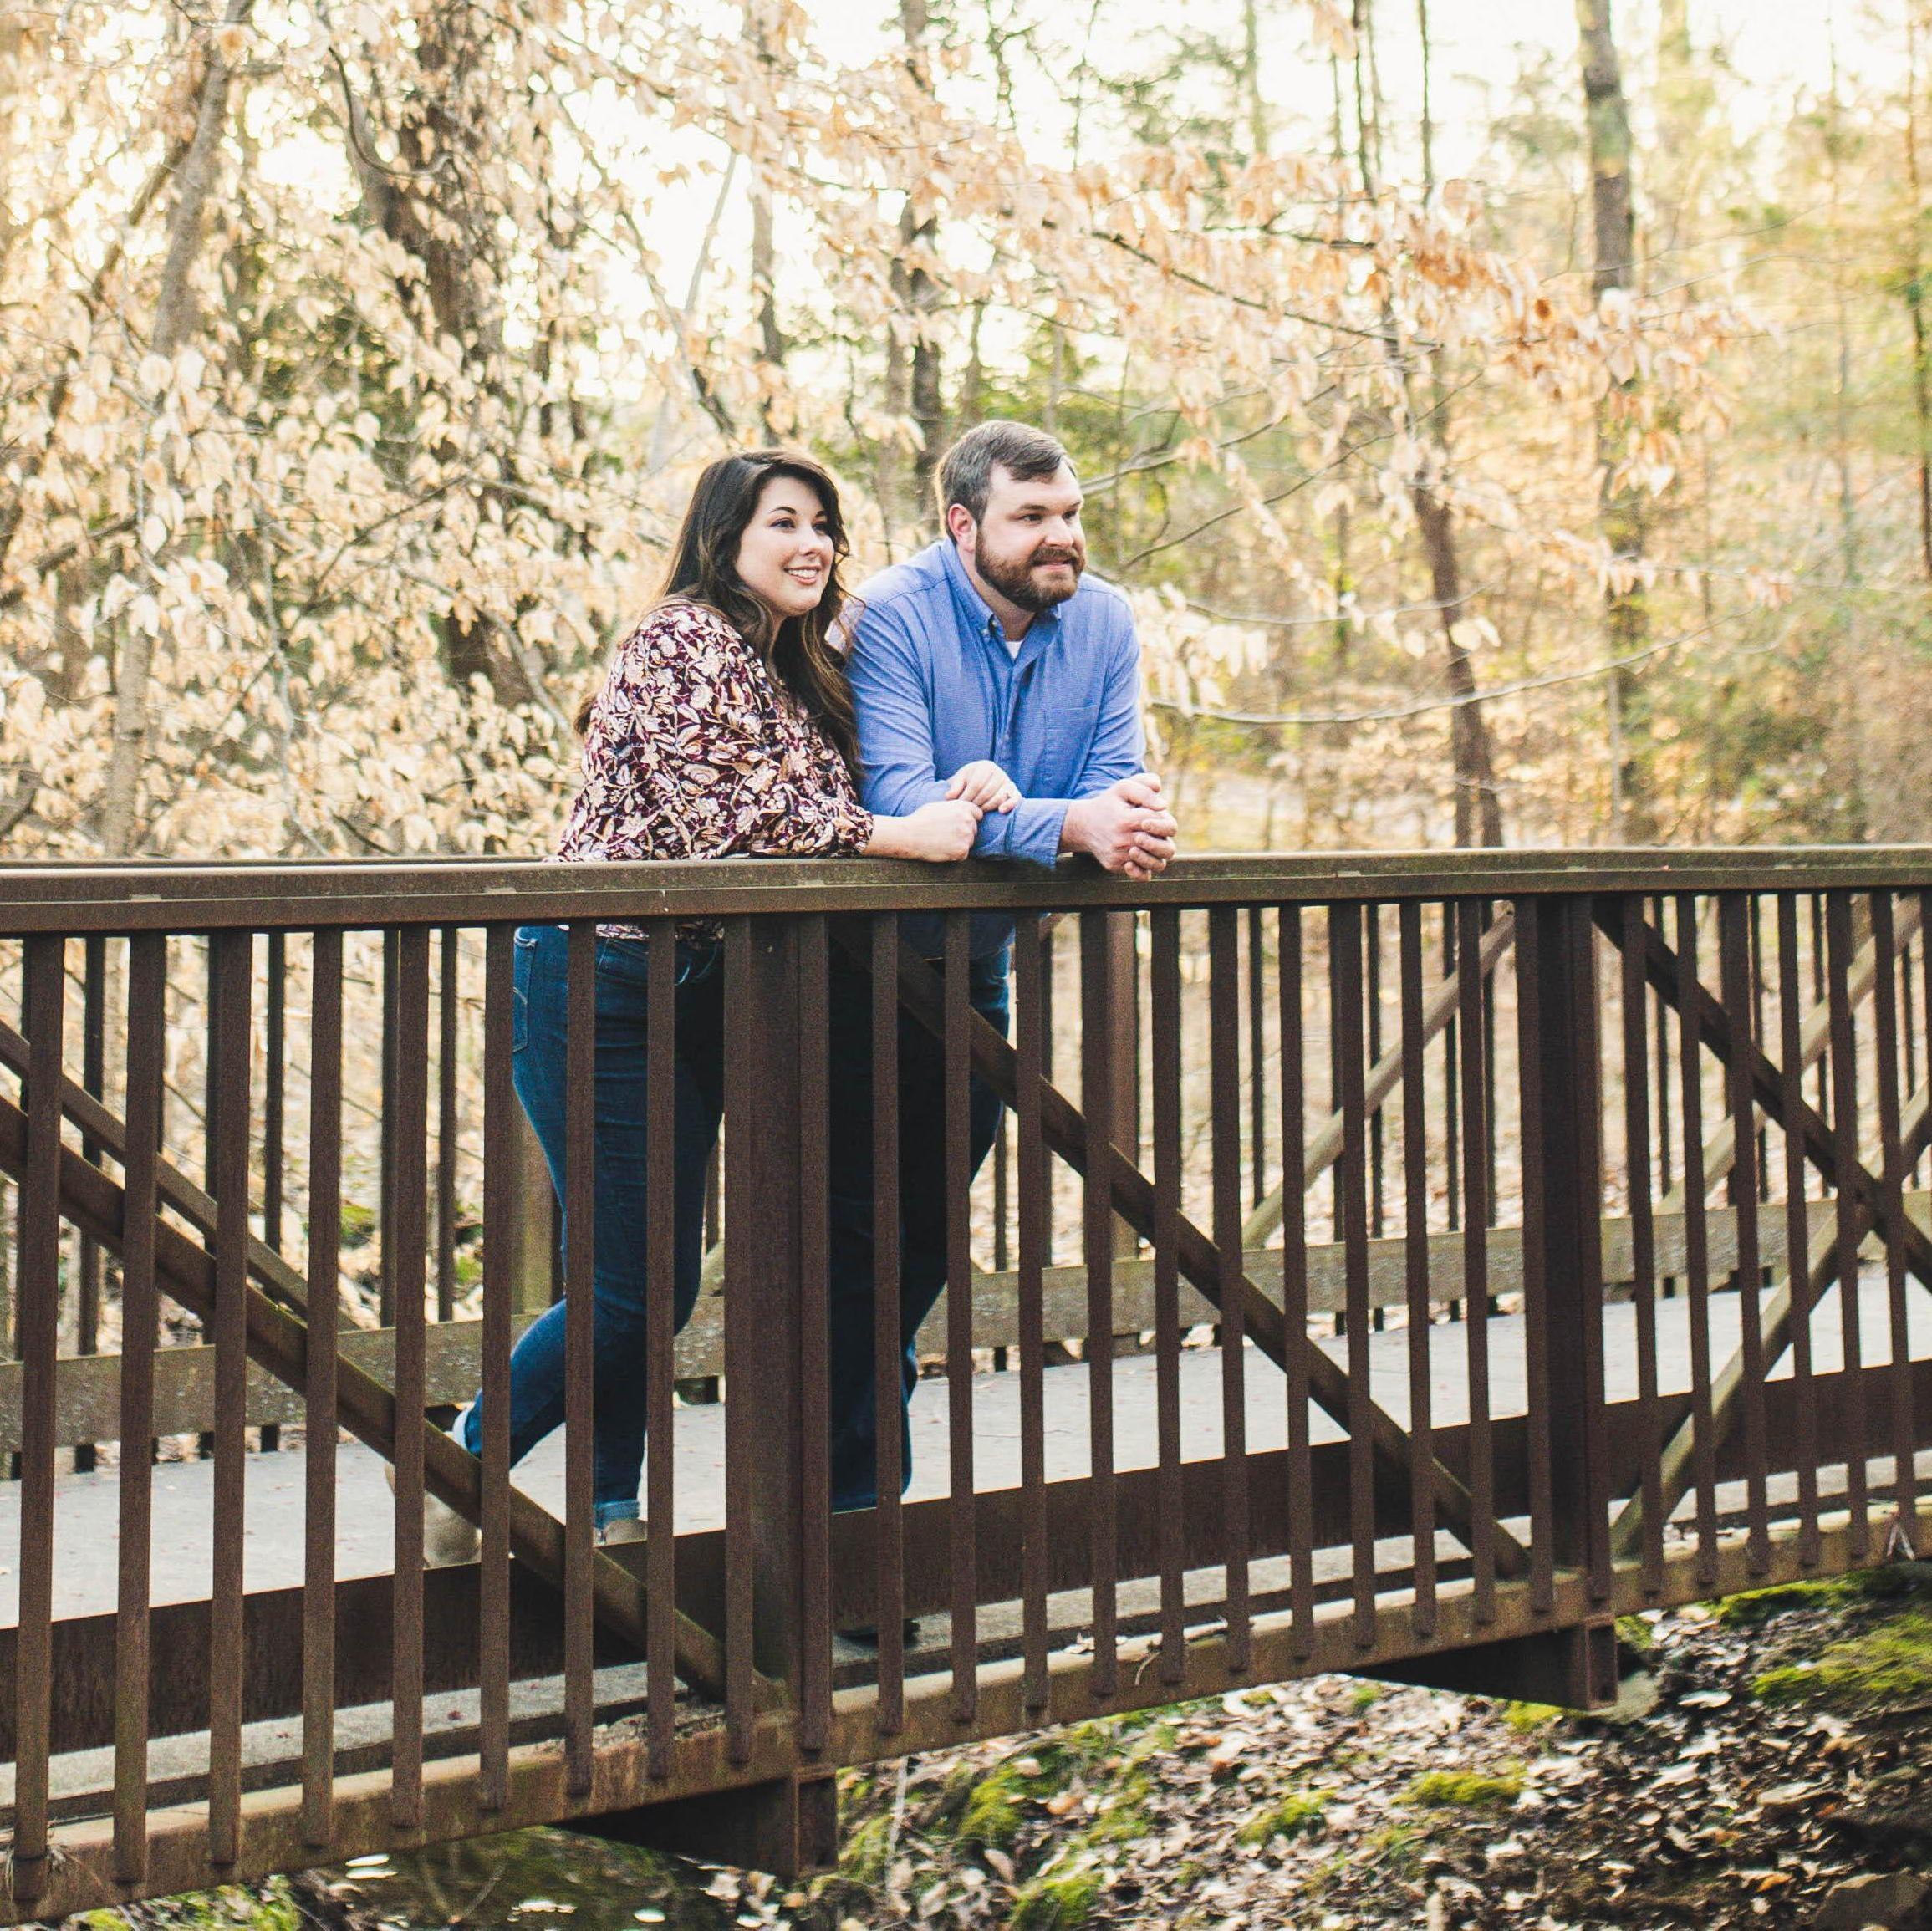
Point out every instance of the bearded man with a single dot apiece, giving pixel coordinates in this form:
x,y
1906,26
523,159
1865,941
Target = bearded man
x,y
989,666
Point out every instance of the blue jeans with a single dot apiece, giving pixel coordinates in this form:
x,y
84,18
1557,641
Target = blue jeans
x,y
619,1285
922,1206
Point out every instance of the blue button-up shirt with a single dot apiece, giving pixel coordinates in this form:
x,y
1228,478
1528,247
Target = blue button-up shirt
x,y
937,688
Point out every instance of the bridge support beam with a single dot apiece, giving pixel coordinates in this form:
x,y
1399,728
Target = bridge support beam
x,y
1573,1669
788,1827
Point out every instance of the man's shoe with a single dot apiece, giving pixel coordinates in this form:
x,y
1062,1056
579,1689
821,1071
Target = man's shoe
x,y
621,1529
866,1634
449,1540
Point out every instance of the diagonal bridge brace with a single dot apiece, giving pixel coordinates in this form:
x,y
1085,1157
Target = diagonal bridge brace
x,y
98,1124
1663,971
1063,1128
1325,1147
278,1340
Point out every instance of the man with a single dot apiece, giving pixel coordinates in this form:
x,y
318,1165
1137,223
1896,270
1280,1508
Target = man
x,y
988,666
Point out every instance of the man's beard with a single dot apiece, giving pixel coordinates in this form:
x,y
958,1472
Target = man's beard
x,y
1013,579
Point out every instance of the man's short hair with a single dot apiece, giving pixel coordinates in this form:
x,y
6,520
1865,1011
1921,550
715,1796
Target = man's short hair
x,y
1025,454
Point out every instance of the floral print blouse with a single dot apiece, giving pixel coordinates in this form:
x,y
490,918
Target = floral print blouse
x,y
693,750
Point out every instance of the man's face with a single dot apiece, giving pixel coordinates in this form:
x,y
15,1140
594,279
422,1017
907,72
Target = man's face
x,y
1029,545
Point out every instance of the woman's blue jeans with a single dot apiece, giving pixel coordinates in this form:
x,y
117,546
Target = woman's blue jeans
x,y
620,1285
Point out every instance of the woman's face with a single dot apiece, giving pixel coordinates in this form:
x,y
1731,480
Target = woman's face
x,y
785,556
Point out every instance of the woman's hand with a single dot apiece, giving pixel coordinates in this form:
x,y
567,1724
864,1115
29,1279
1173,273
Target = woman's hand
x,y
938,832
983,783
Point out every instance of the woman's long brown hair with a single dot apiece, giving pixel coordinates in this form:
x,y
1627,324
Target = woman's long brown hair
x,y
797,650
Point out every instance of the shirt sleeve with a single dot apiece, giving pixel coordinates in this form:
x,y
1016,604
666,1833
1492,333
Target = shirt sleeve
x,y
688,739
1116,750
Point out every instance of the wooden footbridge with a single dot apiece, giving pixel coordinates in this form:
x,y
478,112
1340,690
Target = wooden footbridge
x,y
1402,1264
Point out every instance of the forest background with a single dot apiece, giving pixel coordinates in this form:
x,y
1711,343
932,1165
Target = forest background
x,y
1535,454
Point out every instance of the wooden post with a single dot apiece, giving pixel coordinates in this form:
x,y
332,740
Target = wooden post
x,y
763,1283
1562,1225
1124,1052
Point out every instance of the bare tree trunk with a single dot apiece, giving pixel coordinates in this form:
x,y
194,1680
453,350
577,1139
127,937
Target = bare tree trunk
x,y
1842,394
1478,809
1472,757
13,513
175,319
771,343
1607,117
912,369
1252,99
1915,287
175,312
431,203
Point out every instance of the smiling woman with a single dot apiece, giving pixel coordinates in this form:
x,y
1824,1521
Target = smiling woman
x,y
724,729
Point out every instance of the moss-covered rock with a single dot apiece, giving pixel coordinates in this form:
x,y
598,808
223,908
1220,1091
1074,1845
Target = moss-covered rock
x,y
1053,1902
1894,1580
1296,1813
1466,1790
1890,1664
1528,1719
1636,1634
867,1855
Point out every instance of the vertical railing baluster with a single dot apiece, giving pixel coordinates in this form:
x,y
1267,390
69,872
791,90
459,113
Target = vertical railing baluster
x,y
405,1246
814,1353
1839,945
385,1184
1224,1019
1820,947
1451,1100
1097,1105
43,1002
1416,1255
660,1331
1473,1018
579,1347
1632,934
1257,1059
1048,1047
1797,1224
146,1068
888,1355
1345,1022
449,1144
1371,949
1758,988
230,961
1885,990
1165,1068
1737,967
274,1115
963,1547
1663,1081
1696,1236
1032,959
1295,1283
503,1178
94,1079
1582,1431
1535,1048
323,1259
275,1093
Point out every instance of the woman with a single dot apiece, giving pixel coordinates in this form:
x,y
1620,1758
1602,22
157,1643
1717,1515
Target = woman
x,y
725,729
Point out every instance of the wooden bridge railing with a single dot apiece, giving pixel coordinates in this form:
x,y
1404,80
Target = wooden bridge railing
x,y
1384,1267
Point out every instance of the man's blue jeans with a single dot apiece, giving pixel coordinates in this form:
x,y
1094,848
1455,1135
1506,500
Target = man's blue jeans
x,y
541,1038
922,1206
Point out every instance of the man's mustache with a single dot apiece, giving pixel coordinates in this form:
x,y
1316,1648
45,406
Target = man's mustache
x,y
1040,557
